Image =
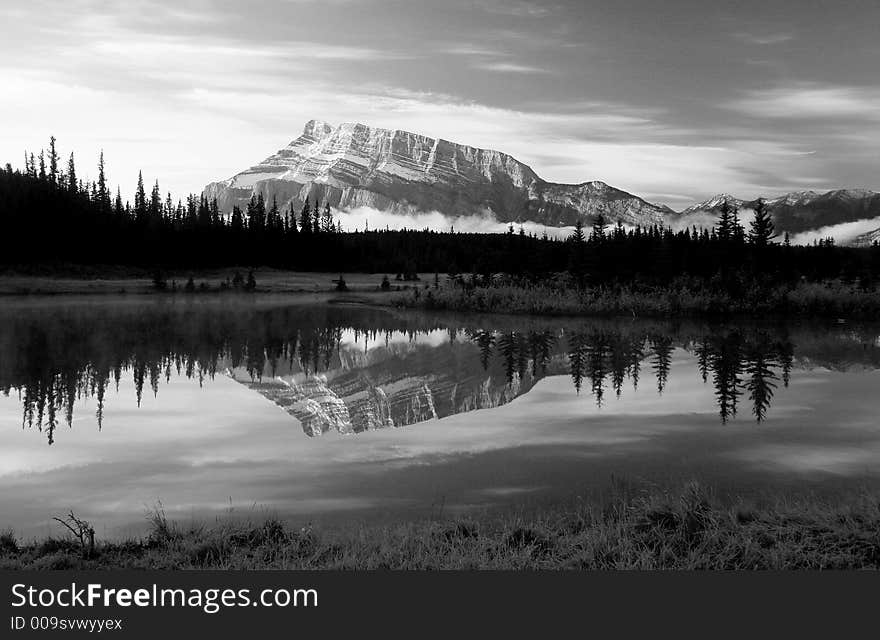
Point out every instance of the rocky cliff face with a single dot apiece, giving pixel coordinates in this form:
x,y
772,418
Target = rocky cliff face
x,y
867,239
354,165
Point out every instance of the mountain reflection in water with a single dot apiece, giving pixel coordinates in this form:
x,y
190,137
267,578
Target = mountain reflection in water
x,y
353,369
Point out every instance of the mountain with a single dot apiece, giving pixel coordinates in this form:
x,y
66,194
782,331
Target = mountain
x,y
713,205
866,239
353,165
801,210
395,385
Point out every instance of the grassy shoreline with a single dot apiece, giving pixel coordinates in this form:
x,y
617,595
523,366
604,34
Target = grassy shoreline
x,y
648,530
112,281
806,299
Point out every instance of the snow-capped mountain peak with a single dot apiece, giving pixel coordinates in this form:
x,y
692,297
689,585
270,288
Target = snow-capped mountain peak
x,y
355,165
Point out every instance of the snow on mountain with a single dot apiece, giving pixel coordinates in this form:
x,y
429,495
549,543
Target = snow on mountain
x,y
799,212
714,203
354,165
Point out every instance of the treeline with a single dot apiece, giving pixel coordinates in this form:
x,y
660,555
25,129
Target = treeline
x,y
52,361
50,216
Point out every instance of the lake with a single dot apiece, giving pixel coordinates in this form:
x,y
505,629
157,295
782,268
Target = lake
x,y
245,406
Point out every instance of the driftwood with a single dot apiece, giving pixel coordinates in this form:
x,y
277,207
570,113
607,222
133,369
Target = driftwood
x,y
82,530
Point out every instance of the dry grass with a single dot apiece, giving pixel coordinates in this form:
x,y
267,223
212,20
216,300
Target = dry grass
x,y
688,530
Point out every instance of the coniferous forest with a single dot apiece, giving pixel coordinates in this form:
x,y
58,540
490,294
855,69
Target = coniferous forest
x,y
50,216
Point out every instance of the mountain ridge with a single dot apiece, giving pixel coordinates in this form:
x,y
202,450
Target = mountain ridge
x,y
353,165
800,211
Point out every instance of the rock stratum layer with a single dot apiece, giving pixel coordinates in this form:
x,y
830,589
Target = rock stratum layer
x,y
354,165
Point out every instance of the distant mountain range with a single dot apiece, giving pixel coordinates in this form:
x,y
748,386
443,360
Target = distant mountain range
x,y
354,165
802,211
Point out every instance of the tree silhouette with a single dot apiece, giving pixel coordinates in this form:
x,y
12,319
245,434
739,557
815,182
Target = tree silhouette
x,y
761,231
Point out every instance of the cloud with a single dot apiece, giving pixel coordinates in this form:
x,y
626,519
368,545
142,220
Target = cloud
x,y
509,67
764,38
517,8
199,90
843,233
811,101
360,218
707,220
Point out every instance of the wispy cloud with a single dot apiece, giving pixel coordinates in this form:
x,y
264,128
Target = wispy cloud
x,y
518,8
509,67
811,101
193,90
764,38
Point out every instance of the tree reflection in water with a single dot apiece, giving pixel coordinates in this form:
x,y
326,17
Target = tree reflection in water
x,y
50,356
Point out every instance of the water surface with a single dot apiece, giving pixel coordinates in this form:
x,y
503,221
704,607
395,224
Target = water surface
x,y
255,405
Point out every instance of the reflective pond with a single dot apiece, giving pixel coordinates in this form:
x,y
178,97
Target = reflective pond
x,y
314,411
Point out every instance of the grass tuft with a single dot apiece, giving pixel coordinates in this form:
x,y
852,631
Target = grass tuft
x,y
8,542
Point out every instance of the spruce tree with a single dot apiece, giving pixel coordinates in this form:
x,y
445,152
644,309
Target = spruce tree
x,y
237,222
53,161
328,218
725,227
761,231
140,200
103,193
305,218
316,218
274,222
72,186
294,227
599,227
117,206
155,207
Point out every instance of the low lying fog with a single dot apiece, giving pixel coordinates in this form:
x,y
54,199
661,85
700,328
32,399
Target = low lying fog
x,y
365,217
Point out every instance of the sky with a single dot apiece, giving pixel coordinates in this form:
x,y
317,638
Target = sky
x,y
672,101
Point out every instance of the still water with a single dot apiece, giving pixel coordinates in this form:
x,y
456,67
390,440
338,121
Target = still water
x,y
319,412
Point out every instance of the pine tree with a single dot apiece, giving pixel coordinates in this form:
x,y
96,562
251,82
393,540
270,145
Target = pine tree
x,y
72,185
739,232
577,257
103,194
294,227
316,218
274,223
53,161
725,227
761,231
237,222
305,218
327,221
140,200
599,227
155,207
